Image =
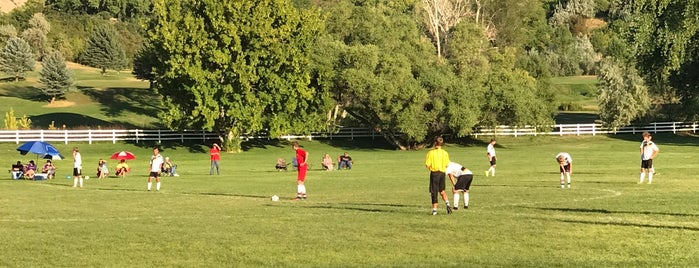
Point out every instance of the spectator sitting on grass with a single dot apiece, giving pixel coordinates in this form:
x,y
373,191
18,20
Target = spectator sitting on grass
x,y
30,170
17,170
344,161
49,169
122,168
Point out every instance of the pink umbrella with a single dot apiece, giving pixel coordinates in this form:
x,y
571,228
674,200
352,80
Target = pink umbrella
x,y
123,155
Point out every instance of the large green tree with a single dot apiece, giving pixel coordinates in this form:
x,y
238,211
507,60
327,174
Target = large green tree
x,y
16,58
623,96
55,76
661,36
103,50
236,67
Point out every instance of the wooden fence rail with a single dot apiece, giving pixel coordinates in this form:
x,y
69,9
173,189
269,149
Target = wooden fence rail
x,y
159,135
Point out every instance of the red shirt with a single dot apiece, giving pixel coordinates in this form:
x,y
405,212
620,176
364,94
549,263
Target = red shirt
x,y
300,156
215,154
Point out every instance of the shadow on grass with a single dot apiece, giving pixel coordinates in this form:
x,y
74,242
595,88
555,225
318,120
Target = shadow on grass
x,y
605,211
116,101
679,139
352,208
24,92
192,146
628,224
576,118
377,143
73,120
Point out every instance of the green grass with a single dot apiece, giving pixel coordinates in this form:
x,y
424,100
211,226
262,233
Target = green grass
x,y
374,215
97,101
580,91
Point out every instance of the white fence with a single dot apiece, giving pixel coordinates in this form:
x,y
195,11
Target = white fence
x,y
139,135
588,129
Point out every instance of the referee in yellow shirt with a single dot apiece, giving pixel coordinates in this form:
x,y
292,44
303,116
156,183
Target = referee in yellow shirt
x,y
437,161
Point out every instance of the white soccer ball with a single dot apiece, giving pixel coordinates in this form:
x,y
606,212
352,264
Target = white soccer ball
x,y
87,177
275,198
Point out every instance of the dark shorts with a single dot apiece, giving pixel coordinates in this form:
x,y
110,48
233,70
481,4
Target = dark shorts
x,y
647,163
464,182
564,169
437,179
154,174
77,172
493,161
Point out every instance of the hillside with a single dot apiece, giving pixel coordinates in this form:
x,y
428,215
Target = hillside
x,y
8,5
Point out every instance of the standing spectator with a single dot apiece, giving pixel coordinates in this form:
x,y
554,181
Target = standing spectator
x,y
122,168
302,159
327,163
436,161
461,179
344,161
77,168
648,151
215,153
49,169
156,165
565,163
491,158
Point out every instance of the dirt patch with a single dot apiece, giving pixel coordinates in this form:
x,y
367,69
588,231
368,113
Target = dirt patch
x,y
594,23
8,5
59,104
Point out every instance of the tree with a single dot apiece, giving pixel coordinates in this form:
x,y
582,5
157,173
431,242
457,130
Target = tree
x,y
16,58
103,50
143,63
622,94
236,67
55,76
7,31
35,35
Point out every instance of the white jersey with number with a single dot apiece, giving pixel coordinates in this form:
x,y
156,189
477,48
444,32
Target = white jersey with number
x,y
156,162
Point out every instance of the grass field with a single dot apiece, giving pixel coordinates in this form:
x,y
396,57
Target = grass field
x,y
114,100
376,215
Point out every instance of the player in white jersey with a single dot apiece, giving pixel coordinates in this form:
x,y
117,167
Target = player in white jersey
x,y
648,151
156,166
491,158
77,168
461,184
565,163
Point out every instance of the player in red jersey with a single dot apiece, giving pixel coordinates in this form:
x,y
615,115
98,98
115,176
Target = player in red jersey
x,y
302,160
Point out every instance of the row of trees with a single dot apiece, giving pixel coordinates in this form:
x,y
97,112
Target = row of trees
x,y
412,69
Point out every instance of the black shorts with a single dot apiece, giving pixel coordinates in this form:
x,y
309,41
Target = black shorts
x,y
437,181
464,182
154,174
564,169
77,172
493,161
647,163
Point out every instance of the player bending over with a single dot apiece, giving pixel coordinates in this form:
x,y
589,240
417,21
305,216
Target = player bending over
x,y
565,163
461,184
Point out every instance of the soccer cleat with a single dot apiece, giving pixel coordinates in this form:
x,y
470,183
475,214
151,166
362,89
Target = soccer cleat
x,y
465,207
455,208
434,212
448,210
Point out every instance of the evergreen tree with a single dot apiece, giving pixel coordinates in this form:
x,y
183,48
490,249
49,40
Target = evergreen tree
x,y
103,50
55,76
16,58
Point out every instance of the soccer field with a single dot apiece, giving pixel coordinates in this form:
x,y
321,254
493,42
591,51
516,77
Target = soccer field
x,y
375,215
